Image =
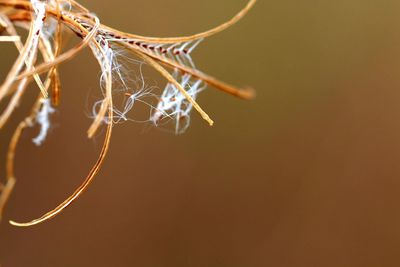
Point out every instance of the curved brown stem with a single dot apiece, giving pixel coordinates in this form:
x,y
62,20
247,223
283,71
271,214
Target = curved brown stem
x,y
79,190
10,176
95,169
197,36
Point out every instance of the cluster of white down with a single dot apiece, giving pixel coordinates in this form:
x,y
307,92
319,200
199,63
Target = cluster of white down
x,y
122,80
43,119
107,58
173,103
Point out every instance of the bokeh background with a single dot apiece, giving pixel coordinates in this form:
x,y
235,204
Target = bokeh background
x,y
307,174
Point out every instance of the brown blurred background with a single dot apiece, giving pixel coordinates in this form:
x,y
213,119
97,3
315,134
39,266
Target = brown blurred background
x,y
307,174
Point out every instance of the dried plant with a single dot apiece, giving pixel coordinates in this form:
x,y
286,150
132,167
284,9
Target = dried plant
x,y
40,54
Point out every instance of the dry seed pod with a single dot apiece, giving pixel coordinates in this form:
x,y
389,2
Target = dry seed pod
x,y
171,57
